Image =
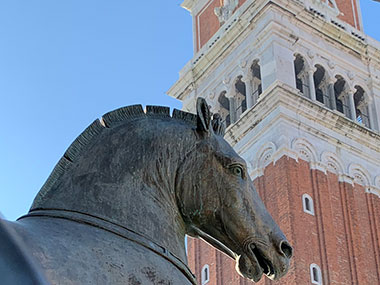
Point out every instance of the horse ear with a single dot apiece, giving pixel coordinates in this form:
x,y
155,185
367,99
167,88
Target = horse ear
x,y
204,115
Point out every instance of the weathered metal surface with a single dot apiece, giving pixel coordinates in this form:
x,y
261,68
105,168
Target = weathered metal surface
x,y
16,265
117,206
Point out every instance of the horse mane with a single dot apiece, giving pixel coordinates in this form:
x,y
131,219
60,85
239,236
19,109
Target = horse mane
x,y
108,121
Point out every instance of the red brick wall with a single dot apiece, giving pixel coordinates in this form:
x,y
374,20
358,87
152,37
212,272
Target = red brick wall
x,y
349,11
207,23
343,237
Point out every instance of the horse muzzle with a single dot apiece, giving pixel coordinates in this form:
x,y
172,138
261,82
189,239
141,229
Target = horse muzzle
x,y
256,261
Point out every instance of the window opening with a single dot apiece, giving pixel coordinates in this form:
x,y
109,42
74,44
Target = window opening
x,y
205,274
341,98
241,96
256,82
361,107
308,206
315,274
224,103
321,88
301,75
299,84
319,95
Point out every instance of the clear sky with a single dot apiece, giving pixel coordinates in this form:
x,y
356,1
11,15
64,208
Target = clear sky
x,y
65,63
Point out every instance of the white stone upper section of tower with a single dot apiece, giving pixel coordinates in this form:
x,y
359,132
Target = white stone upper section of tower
x,y
295,78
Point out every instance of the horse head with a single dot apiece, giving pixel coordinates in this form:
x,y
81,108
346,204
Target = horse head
x,y
160,177
220,204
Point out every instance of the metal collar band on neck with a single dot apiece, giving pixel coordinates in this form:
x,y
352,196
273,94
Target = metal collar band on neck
x,y
118,230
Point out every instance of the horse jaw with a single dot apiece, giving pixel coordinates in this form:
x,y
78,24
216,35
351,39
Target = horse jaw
x,y
214,242
247,264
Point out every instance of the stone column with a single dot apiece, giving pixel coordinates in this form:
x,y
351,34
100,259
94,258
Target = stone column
x,y
247,79
332,94
255,85
375,103
231,94
311,83
351,101
232,109
371,116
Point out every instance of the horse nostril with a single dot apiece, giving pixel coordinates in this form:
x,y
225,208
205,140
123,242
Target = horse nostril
x,y
286,249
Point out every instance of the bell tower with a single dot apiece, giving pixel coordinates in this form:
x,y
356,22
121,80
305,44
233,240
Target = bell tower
x,y
298,85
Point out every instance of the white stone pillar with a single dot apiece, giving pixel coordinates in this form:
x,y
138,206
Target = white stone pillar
x,y
247,79
238,99
332,94
277,63
371,116
351,102
232,109
376,108
255,84
311,83
231,94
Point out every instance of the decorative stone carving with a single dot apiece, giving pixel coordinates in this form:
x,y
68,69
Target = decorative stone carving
x,y
359,174
332,162
328,161
224,12
265,154
304,149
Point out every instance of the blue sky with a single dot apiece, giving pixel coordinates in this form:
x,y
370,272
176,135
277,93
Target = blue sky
x,y
65,63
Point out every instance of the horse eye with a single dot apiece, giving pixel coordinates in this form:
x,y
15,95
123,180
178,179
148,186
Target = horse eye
x,y
237,170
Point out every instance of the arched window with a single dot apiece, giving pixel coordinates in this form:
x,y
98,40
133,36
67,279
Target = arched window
x,y
315,274
301,76
205,274
224,110
361,107
321,86
241,98
308,205
341,96
256,81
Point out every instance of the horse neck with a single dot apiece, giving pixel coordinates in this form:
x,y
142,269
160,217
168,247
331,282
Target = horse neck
x,y
139,195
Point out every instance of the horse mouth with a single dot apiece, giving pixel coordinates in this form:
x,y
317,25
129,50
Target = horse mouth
x,y
253,264
264,263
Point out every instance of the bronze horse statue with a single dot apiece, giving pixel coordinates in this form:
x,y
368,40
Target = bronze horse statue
x,y
117,206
